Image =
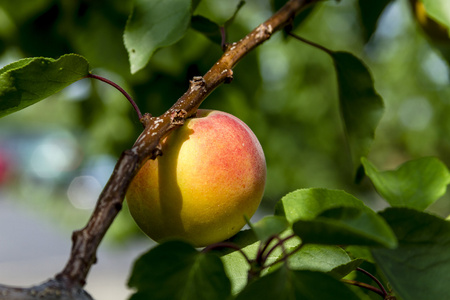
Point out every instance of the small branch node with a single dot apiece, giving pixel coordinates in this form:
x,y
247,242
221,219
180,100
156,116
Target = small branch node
x,y
145,120
158,151
177,117
196,83
263,31
229,75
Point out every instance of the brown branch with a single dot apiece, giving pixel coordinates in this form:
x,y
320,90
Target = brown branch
x,y
86,241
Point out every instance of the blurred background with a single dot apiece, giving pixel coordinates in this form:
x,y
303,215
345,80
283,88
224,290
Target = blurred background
x,y
56,156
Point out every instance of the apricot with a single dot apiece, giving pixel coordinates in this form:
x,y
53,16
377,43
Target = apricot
x,y
212,173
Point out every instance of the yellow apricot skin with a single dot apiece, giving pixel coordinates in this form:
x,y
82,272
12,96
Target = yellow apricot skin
x,y
212,173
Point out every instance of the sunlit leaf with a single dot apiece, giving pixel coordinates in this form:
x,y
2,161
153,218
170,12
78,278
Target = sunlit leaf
x,y
360,104
30,80
344,269
236,265
323,258
415,184
285,284
439,10
306,204
154,24
269,226
346,226
175,270
419,267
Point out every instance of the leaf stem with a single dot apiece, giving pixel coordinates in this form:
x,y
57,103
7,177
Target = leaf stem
x,y
365,286
227,245
280,243
310,43
385,293
130,99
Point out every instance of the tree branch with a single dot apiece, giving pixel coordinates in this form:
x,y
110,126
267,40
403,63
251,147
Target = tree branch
x,y
68,284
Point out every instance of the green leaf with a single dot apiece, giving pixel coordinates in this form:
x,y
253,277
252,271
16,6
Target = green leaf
x,y
207,27
30,80
346,226
419,268
360,252
345,269
370,13
306,204
175,270
360,104
415,184
322,258
236,265
154,24
439,10
287,284
269,226
211,29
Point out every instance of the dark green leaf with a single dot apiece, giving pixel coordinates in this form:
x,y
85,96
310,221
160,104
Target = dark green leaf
x,y
306,204
154,24
361,106
210,29
23,10
346,226
30,80
269,226
287,284
415,184
195,3
419,267
370,13
175,270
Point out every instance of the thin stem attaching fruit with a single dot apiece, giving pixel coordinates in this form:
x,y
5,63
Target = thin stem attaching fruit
x,y
130,99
